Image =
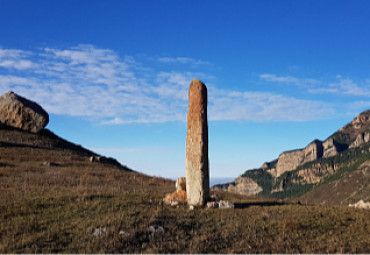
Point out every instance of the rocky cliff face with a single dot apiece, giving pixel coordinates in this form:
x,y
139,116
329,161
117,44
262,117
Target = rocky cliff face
x,y
290,160
244,185
312,164
358,125
352,135
361,139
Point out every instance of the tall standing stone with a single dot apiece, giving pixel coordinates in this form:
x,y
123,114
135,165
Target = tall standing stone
x,y
197,166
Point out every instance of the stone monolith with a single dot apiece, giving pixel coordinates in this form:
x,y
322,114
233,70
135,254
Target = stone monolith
x,y
197,166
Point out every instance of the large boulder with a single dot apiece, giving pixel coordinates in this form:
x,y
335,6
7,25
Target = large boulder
x,y
21,113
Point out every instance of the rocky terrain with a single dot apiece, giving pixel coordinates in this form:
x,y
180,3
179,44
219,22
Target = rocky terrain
x,y
348,188
296,172
58,197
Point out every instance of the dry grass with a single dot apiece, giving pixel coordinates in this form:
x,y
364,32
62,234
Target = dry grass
x,y
54,209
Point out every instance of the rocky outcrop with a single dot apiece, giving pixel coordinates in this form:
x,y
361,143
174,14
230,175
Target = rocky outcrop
x,y
357,129
309,165
181,183
243,185
313,151
197,168
358,124
360,139
289,161
179,196
315,173
21,113
330,148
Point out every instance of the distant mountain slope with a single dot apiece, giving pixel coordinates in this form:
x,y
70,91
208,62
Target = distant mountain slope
x,y
348,188
297,171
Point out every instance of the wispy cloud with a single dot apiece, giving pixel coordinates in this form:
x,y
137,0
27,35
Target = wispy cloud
x,y
274,78
15,59
344,86
289,80
181,60
263,106
99,84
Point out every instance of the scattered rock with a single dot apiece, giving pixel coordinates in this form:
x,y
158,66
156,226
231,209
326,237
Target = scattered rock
x,y
124,233
225,204
21,113
361,205
196,162
212,205
94,159
156,230
49,164
222,204
98,231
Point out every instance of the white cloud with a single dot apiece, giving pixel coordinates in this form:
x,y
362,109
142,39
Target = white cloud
x,y
16,59
289,80
262,106
344,86
101,85
274,78
181,60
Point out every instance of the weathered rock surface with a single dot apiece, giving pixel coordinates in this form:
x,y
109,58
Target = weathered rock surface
x,y
315,173
197,166
175,198
330,148
179,196
289,161
313,151
244,185
358,125
181,183
360,139
21,113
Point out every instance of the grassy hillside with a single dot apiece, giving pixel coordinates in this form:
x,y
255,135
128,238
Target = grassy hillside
x,y
61,206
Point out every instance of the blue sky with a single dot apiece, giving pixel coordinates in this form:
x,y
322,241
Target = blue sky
x,y
114,75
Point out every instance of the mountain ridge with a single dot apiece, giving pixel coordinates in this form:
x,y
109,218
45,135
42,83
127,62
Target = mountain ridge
x,y
297,171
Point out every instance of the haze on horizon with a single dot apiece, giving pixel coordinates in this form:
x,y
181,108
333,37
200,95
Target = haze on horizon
x,y
114,75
